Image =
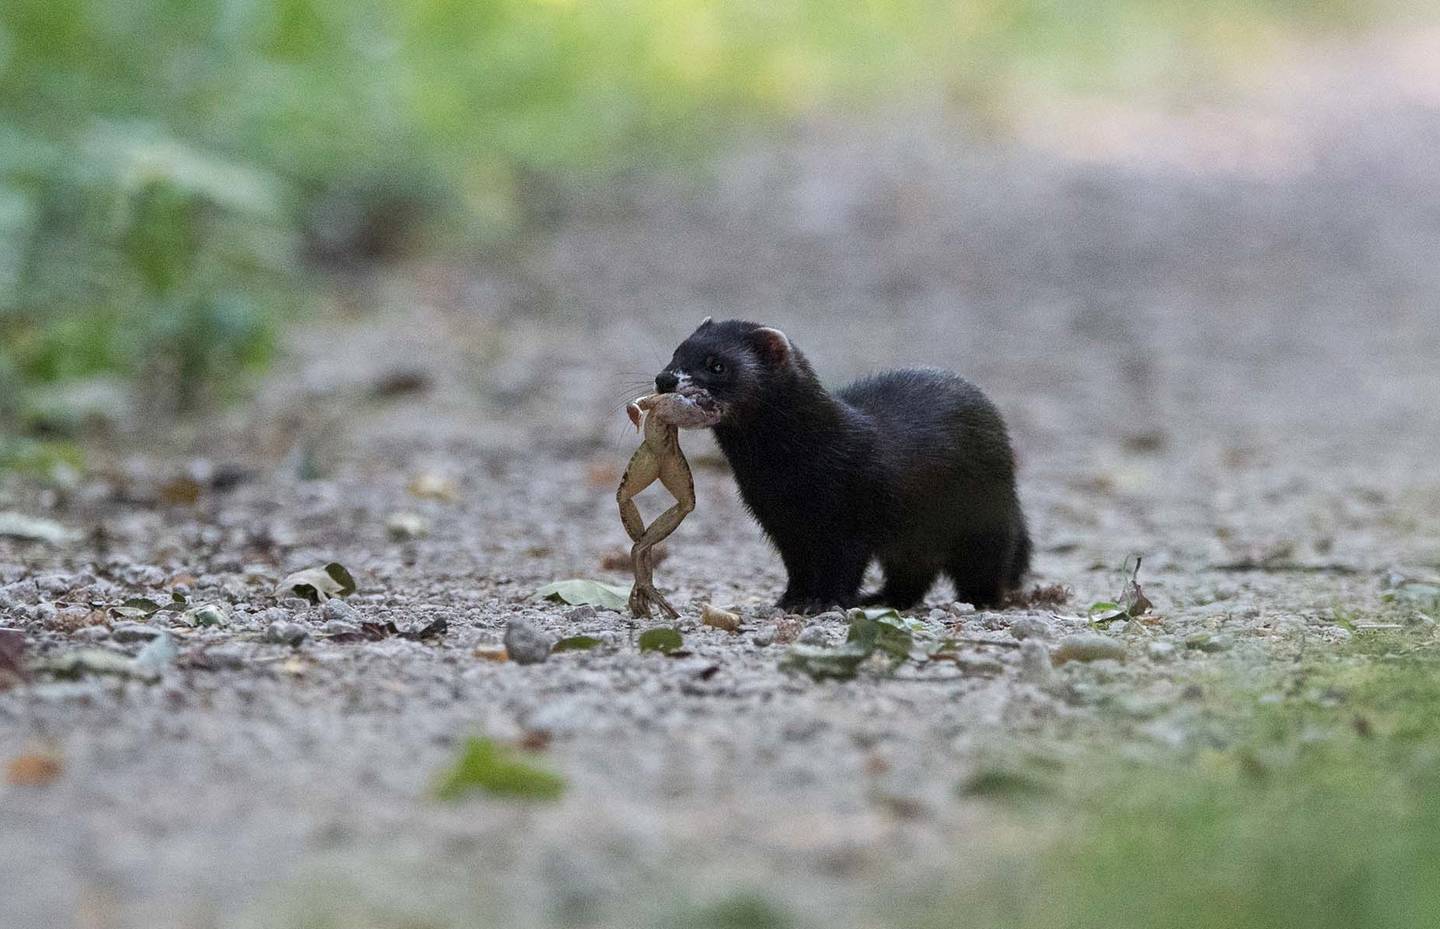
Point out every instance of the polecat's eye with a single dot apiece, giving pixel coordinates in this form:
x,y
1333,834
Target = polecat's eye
x,y
714,365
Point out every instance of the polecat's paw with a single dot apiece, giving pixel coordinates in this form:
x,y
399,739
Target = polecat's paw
x,y
806,606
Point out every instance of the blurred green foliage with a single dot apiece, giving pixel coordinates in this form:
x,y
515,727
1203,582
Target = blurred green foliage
x,y
1318,809
162,162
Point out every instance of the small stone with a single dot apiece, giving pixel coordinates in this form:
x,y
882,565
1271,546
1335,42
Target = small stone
x,y
526,644
1161,650
830,617
405,526
979,665
337,610
763,637
813,635
285,633
960,609
231,655
133,632
1030,627
92,634
275,615
1036,666
1205,642
158,655
581,614
1088,646
207,614
341,627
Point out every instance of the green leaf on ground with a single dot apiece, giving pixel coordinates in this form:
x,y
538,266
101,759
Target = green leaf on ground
x,y
580,592
576,643
318,584
873,631
1003,783
888,632
96,661
136,608
821,663
1104,612
484,766
661,639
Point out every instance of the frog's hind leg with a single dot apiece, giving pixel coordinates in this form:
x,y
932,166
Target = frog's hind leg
x,y
674,474
642,471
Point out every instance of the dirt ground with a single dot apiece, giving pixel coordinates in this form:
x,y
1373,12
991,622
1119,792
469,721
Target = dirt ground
x,y
1214,334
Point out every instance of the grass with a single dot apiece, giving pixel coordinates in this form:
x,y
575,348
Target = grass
x,y
1320,809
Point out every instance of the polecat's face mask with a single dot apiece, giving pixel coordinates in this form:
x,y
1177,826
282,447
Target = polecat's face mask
x,y
724,364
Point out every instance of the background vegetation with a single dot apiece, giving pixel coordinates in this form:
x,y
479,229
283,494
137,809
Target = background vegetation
x,y
167,167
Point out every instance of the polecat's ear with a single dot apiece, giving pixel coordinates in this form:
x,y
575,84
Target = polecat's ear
x,y
772,344
704,322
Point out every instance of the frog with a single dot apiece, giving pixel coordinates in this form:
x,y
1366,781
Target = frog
x,y
659,419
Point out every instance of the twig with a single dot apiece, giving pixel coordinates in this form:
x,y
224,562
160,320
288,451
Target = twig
x,y
1286,567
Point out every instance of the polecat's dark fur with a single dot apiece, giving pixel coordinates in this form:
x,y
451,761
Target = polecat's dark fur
x,y
912,468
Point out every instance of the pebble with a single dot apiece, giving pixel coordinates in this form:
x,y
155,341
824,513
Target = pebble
x,y
133,632
207,614
764,637
1161,650
1036,666
336,610
285,633
1088,646
341,627
1030,627
231,655
158,655
92,634
813,635
526,644
980,665
1205,642
581,614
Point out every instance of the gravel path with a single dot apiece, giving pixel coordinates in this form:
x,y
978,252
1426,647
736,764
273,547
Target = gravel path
x,y
1211,361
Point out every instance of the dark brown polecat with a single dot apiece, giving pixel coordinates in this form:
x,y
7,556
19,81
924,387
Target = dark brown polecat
x,y
912,468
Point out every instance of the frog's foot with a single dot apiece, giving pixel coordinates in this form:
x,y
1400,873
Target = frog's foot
x,y
645,596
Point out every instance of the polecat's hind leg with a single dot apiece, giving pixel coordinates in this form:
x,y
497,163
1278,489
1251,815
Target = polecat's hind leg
x,y
906,584
980,565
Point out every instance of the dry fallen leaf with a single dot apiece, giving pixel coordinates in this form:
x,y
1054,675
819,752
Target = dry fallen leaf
x,y
492,653
182,491
318,584
432,485
719,619
35,768
12,657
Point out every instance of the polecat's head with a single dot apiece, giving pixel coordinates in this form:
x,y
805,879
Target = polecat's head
x,y
731,362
